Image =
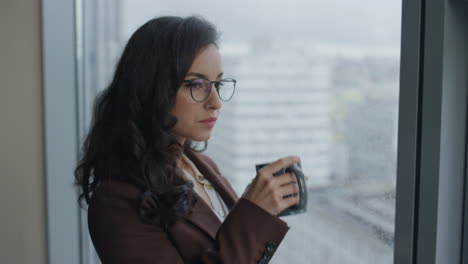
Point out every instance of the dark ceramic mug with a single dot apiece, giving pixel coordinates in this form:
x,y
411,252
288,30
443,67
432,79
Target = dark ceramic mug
x,y
296,169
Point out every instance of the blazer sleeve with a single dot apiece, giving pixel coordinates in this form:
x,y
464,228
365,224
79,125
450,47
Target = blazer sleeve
x,y
249,234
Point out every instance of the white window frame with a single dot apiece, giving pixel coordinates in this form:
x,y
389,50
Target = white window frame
x,y
60,130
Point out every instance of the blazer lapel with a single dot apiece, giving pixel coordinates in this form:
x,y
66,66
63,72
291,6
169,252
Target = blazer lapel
x,y
223,188
202,215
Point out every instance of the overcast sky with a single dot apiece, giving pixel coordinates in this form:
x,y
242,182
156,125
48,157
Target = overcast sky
x,y
357,22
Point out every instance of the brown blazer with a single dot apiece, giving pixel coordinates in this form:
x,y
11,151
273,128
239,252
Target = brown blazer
x,y
249,234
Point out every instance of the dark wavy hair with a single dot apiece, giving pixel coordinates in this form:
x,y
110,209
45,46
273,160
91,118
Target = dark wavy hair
x,y
129,138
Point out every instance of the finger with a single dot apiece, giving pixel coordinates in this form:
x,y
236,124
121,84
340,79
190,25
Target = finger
x,y
289,189
285,179
294,188
279,164
306,177
291,198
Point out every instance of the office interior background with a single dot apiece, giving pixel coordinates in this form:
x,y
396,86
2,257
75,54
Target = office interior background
x,y
370,94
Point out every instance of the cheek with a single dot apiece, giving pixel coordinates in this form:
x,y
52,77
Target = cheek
x,y
183,108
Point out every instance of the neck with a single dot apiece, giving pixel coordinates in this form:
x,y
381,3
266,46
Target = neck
x,y
182,164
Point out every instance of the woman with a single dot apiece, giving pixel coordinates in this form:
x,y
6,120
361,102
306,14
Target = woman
x,y
143,180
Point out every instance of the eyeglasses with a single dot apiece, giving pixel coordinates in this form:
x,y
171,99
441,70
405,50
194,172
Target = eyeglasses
x,y
200,88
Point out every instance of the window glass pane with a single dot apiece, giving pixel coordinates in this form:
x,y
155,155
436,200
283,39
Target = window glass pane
x,y
315,79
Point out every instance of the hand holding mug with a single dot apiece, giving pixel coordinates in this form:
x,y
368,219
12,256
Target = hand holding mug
x,y
277,193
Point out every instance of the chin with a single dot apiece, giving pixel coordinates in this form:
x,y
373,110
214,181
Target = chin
x,y
201,137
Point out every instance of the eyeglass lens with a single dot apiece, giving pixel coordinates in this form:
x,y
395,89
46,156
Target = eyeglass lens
x,y
200,89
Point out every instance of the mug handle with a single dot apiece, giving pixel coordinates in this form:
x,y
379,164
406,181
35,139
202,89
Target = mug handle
x,y
301,207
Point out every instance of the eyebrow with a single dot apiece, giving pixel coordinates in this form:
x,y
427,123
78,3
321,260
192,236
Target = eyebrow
x,y
202,75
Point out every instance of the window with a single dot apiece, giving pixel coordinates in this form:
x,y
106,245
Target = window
x,y
341,117
432,126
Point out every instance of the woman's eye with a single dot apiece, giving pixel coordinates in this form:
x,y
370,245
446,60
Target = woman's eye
x,y
195,85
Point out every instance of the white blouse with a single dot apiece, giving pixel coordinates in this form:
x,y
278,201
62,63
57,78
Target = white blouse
x,y
219,207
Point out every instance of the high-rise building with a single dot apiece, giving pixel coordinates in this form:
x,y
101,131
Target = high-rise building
x,y
281,107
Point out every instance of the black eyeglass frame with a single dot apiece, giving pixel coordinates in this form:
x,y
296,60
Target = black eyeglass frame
x,y
216,87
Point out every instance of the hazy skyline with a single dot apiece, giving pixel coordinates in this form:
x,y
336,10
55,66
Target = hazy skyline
x,y
335,21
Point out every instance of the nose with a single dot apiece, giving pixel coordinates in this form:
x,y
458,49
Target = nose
x,y
213,99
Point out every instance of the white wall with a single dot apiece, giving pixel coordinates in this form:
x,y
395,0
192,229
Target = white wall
x,y
22,195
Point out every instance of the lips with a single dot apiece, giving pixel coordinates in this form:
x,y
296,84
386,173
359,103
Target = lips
x,y
212,119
